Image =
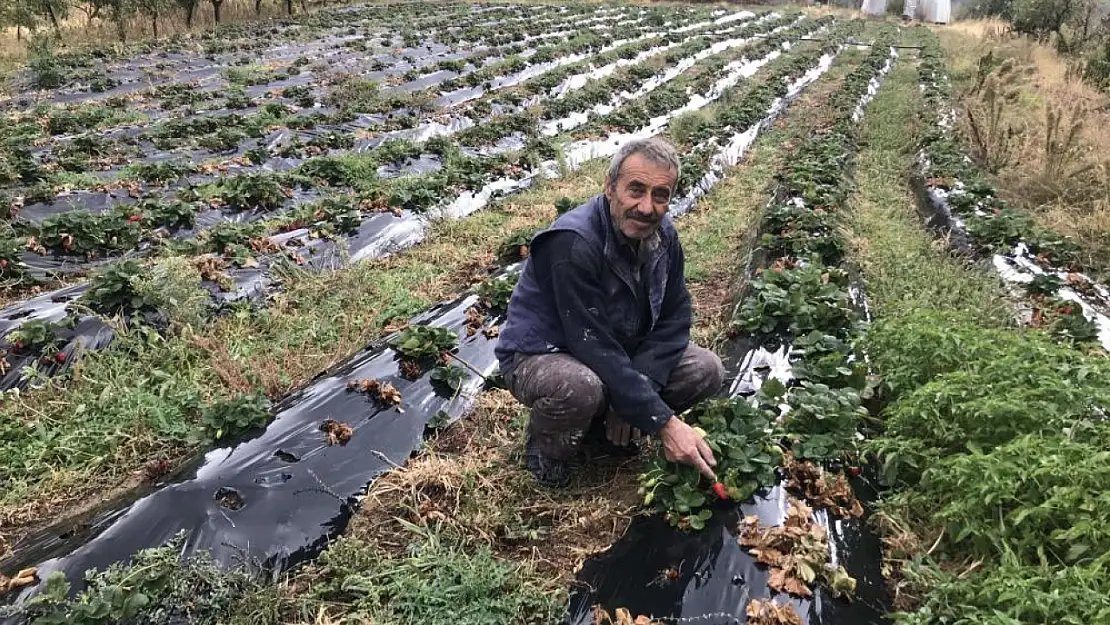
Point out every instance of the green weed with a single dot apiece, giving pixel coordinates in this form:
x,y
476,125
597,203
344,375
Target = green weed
x,y
439,581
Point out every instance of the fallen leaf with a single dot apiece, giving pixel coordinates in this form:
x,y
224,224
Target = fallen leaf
x,y
338,433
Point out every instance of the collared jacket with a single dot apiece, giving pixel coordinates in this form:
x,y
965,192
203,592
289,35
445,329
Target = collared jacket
x,y
623,312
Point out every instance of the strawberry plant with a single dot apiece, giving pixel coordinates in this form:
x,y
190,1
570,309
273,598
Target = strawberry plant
x,y
798,300
231,239
1044,284
156,581
423,343
418,193
12,266
85,234
231,417
449,378
827,359
251,191
794,230
112,290
37,334
159,173
1067,322
565,205
823,422
396,151
515,246
739,433
171,214
495,293
301,95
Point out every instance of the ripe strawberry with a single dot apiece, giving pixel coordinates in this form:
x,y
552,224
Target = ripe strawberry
x,y
135,218
60,357
3,263
18,344
855,471
720,490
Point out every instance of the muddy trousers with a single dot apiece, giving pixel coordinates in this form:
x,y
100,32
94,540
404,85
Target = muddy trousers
x,y
567,397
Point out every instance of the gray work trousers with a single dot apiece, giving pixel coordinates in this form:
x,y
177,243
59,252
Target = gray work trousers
x,y
566,396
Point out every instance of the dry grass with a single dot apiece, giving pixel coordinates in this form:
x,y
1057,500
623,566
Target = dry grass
x,y
473,481
1067,188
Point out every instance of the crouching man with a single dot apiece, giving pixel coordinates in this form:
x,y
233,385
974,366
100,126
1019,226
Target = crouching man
x,y
597,340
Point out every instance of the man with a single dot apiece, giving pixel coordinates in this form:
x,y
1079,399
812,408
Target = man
x,y
598,331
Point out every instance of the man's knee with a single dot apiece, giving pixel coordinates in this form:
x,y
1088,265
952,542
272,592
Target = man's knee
x,y
559,387
577,393
698,376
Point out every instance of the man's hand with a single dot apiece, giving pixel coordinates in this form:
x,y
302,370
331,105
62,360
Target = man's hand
x,y
682,444
618,431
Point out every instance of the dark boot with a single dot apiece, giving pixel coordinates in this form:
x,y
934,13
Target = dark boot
x,y
551,472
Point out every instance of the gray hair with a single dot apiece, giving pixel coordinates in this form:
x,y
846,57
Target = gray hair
x,y
653,149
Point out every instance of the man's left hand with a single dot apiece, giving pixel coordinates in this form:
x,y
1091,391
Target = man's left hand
x,y
619,432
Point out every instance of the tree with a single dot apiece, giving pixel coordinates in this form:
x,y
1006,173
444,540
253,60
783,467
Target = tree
x,y
216,6
190,8
53,10
1043,18
91,9
18,13
153,9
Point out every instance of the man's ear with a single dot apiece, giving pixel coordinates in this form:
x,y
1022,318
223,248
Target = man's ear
x,y
608,186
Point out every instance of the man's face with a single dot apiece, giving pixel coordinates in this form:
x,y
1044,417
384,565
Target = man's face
x,y
640,197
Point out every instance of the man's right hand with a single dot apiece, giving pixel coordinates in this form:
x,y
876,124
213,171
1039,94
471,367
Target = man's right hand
x,y
682,444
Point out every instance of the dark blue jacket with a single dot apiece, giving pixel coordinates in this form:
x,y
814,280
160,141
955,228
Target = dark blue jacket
x,y
625,315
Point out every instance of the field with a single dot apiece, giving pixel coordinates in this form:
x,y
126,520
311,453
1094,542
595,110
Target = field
x,y
253,278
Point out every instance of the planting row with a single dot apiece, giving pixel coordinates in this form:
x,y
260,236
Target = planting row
x,y
305,452
289,149
957,199
786,441
246,258
405,29
993,443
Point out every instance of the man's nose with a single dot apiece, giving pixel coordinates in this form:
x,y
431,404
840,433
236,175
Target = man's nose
x,y
645,207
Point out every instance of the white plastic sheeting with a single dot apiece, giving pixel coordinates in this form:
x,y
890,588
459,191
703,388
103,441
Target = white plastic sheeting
x,y
935,11
873,86
1020,267
579,152
742,15
874,7
578,118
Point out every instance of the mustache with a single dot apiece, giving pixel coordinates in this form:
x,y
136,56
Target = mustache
x,y
637,216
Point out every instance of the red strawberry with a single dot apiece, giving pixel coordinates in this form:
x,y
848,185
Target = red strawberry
x,y
60,357
855,471
18,344
3,263
720,490
135,218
